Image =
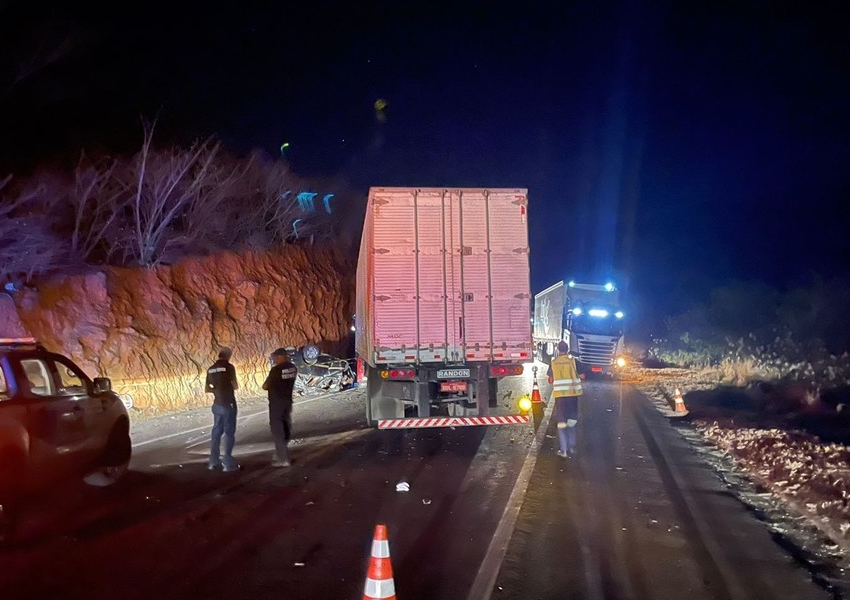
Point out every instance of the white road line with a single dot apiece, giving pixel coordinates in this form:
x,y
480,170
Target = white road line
x,y
201,428
482,587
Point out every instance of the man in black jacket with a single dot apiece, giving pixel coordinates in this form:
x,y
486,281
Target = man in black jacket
x,y
221,383
279,384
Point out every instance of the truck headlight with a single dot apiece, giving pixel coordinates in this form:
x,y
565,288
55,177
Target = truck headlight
x,y
621,361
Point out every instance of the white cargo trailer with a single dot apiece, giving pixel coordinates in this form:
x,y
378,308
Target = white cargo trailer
x,y
443,303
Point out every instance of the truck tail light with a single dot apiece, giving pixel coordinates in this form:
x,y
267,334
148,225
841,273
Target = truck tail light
x,y
501,371
403,373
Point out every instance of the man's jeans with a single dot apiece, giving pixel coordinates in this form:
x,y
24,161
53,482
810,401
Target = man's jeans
x,y
224,424
567,437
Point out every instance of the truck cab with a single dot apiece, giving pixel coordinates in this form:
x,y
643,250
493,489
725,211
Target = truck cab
x,y
588,317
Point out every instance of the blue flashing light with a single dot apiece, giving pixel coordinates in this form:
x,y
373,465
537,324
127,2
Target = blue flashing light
x,y
571,283
598,312
619,314
305,201
577,311
609,287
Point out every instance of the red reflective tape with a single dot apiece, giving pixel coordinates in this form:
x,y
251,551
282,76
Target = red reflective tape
x,y
452,422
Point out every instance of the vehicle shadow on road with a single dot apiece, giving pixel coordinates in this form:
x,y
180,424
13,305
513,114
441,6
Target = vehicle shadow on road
x,y
76,512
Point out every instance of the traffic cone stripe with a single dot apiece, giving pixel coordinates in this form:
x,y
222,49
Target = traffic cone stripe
x,y
380,549
379,590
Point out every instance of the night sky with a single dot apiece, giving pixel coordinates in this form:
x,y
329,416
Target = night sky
x,y
673,146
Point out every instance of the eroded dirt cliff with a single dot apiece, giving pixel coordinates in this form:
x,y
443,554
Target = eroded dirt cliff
x,y
154,331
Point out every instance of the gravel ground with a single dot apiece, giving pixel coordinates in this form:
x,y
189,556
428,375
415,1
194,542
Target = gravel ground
x,y
790,477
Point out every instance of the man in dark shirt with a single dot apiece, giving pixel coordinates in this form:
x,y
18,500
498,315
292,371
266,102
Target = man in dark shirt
x,y
279,384
221,383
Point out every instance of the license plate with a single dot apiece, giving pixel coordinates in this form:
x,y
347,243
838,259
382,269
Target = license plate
x,y
596,369
453,374
453,386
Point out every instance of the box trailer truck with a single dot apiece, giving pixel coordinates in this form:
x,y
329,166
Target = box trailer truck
x,y
588,317
443,304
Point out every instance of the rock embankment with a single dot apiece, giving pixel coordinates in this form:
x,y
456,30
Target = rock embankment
x,y
154,331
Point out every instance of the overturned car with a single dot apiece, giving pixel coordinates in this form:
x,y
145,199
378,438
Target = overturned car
x,y
318,372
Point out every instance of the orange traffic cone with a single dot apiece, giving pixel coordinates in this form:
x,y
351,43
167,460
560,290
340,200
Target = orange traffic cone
x,y
679,406
379,579
535,392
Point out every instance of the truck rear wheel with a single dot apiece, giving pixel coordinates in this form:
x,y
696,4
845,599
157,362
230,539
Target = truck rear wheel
x,y
369,420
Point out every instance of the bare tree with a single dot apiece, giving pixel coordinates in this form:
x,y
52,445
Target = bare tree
x,y
98,201
165,184
27,245
267,197
211,217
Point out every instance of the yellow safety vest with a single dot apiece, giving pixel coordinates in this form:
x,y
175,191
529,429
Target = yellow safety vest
x,y
565,379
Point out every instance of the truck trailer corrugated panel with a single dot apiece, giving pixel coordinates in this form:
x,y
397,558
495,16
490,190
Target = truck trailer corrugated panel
x,y
549,313
443,276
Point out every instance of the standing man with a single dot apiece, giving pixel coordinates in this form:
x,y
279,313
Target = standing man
x,y
279,384
221,383
566,383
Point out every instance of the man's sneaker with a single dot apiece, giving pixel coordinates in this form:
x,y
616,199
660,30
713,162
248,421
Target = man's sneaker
x,y
280,463
231,468
213,466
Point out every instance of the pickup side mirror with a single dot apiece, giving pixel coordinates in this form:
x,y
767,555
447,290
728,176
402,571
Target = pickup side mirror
x,y
102,385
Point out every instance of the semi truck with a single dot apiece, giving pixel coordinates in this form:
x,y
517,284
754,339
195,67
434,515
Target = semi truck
x,y
442,303
586,316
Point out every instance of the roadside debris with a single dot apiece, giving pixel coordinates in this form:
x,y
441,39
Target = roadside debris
x,y
402,487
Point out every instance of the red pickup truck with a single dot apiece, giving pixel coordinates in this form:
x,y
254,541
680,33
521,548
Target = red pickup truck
x,y
55,424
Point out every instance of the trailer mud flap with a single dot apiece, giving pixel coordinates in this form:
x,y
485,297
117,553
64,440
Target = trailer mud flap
x,y
452,422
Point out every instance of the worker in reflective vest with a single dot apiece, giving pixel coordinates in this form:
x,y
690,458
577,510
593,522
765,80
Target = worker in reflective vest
x,y
566,389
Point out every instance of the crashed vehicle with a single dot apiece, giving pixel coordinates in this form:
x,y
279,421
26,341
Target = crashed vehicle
x,y
318,372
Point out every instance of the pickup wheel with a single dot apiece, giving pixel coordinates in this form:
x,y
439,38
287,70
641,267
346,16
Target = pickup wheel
x,y
115,460
11,478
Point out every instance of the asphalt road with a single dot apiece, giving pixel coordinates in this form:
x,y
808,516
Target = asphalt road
x,y
638,515
635,516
